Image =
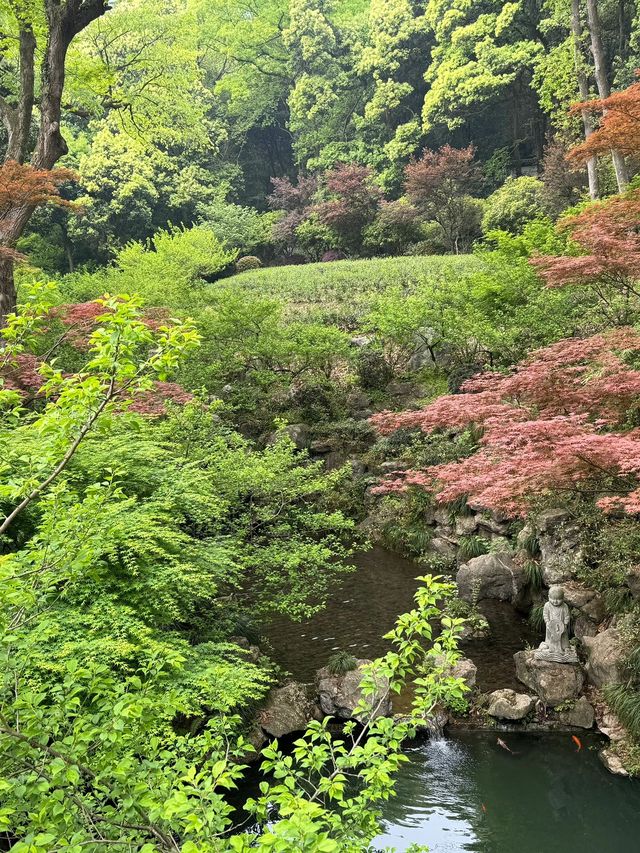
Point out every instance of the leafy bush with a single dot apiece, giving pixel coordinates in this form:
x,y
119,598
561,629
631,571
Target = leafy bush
x,y
517,202
248,262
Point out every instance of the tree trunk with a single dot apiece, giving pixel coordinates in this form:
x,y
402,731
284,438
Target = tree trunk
x,y
65,19
7,290
583,88
602,82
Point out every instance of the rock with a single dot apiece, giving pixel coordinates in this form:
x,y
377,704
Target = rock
x,y
467,671
288,710
357,400
605,654
554,683
509,705
360,341
465,525
335,459
494,575
559,541
358,468
609,724
581,716
298,433
493,524
442,516
443,546
584,627
362,414
612,762
633,581
403,389
339,695
590,606
321,445
391,466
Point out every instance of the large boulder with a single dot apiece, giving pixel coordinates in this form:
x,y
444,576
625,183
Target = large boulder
x,y
554,683
494,575
339,695
288,709
509,705
605,654
559,541
299,434
581,715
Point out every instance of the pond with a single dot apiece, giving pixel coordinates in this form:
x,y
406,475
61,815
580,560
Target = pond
x,y
467,794
463,792
366,606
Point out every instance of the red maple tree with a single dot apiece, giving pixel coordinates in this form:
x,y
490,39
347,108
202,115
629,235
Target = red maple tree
x,y
24,187
557,422
619,128
606,236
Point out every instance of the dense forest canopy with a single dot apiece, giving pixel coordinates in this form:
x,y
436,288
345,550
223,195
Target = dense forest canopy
x,y
172,110
275,276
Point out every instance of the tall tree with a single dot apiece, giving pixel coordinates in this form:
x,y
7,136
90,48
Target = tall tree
x,y
602,82
59,23
583,87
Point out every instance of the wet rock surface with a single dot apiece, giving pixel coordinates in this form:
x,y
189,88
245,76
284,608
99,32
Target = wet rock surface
x,y
288,709
554,683
605,654
509,705
340,695
495,575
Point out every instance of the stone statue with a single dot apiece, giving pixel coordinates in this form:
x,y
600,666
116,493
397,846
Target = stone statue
x,y
556,646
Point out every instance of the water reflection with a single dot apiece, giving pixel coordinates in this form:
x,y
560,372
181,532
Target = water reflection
x,y
366,606
548,798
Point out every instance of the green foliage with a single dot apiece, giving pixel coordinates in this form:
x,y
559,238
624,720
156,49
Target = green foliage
x,y
341,662
470,547
533,572
248,262
516,203
625,703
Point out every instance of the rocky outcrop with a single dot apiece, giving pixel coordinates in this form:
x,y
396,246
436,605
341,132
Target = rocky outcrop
x,y
559,542
288,709
509,705
300,435
612,762
467,671
339,695
494,575
554,683
581,715
605,654
633,581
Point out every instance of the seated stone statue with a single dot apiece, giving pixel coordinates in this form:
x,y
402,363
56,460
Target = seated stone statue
x,y
556,646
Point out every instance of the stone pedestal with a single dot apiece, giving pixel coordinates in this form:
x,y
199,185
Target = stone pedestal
x,y
554,683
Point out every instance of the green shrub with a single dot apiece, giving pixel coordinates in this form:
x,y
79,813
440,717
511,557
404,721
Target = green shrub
x,y
517,202
248,262
341,662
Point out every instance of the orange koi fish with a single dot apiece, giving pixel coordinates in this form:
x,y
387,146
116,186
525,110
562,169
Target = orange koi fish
x,y
577,742
484,808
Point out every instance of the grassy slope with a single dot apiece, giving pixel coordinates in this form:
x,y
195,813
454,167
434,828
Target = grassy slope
x,y
345,287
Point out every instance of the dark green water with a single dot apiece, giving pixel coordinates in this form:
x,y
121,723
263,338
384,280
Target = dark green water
x,y
549,798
